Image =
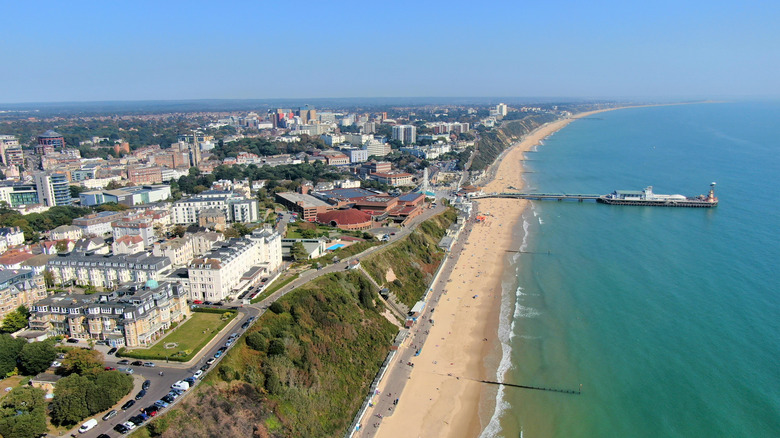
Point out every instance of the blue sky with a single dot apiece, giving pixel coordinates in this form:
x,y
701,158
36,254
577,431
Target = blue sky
x,y
150,50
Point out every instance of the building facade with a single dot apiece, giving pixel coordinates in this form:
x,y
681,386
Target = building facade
x,y
132,316
107,271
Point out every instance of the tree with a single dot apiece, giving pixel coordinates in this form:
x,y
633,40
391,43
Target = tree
x,y
298,252
69,405
10,348
276,347
61,246
48,277
110,387
237,230
179,231
276,307
36,357
75,191
23,413
82,361
16,320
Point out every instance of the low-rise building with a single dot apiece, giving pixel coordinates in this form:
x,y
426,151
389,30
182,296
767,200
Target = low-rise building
x,y
141,226
393,179
128,245
98,224
178,250
132,316
70,232
307,206
12,236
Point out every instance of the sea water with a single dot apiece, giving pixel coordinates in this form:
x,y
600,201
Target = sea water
x,y
669,318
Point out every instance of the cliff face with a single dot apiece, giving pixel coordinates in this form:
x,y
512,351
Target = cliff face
x,y
304,368
492,143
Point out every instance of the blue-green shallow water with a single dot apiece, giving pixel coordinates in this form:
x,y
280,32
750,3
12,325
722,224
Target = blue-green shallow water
x,y
669,318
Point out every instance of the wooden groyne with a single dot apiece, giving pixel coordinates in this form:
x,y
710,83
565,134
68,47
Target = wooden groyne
x,y
535,388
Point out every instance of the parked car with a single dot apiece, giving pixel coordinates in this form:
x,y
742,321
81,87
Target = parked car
x,y
112,351
72,341
162,404
168,398
109,368
151,410
140,394
245,325
103,435
146,384
129,425
128,405
56,364
111,414
217,354
121,428
190,380
88,425
197,374
205,367
211,361
149,364
229,343
126,370
123,362
197,302
137,363
139,419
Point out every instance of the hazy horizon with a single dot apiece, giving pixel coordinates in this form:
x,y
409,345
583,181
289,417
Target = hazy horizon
x,y
103,52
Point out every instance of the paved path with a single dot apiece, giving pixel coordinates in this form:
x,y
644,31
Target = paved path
x,y
399,371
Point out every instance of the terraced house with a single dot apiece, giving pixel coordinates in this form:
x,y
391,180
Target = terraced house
x,y
107,271
134,315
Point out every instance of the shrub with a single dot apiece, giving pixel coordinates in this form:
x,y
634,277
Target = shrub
x,y
256,341
276,307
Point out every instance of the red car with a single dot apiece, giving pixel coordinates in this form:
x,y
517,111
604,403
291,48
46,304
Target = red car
x,y
110,368
197,302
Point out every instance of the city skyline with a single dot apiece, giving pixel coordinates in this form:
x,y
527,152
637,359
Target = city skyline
x,y
88,52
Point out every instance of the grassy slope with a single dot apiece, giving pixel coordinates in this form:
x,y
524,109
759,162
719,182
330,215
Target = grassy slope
x,y
413,259
333,349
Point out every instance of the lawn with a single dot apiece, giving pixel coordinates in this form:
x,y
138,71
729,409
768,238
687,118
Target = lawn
x,y
189,338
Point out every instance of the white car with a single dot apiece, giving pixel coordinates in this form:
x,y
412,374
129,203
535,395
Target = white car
x,y
197,374
56,364
129,425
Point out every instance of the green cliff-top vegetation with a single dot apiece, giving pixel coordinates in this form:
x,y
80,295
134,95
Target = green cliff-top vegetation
x,y
407,266
304,368
492,143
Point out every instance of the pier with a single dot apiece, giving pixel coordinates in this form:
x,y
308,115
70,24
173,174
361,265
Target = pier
x,y
541,196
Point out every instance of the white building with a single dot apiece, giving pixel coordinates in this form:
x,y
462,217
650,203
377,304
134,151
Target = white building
x,y
377,148
221,272
12,236
356,155
66,232
107,271
406,134
236,208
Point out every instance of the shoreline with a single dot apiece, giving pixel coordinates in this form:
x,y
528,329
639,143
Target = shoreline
x,y
442,395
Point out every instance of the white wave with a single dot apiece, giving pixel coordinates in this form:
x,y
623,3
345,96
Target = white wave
x,y
525,312
541,222
505,332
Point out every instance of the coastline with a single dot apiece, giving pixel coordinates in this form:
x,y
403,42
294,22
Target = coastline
x,y
442,396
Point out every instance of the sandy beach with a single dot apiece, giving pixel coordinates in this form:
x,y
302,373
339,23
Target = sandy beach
x,y
441,396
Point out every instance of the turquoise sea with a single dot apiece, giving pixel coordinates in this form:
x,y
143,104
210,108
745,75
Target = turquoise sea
x,y
669,318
